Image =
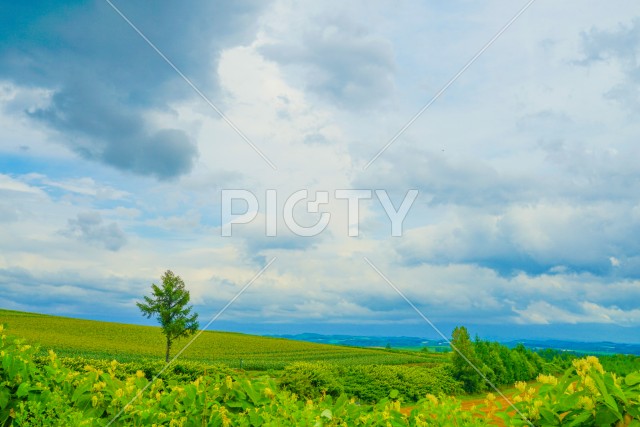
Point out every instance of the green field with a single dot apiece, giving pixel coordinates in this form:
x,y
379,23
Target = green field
x,y
123,342
310,384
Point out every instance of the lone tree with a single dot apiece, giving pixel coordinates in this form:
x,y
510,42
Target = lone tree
x,y
169,304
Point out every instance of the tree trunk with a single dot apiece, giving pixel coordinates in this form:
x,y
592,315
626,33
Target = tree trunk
x,y
166,359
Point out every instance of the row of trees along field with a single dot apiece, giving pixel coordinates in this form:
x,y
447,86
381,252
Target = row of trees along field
x,y
476,363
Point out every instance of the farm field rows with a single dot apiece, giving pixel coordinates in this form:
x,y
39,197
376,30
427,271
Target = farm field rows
x,y
105,340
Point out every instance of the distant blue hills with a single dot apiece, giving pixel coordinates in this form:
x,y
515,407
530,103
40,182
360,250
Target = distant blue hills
x,y
578,347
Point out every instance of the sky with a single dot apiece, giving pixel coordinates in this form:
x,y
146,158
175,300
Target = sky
x,y
122,126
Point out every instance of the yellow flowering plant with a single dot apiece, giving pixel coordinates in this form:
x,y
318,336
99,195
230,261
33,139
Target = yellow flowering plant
x,y
586,395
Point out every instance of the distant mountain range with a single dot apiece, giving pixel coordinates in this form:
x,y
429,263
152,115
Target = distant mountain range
x,y
441,345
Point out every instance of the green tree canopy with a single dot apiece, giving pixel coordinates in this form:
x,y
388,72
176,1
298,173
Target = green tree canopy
x,y
169,304
464,359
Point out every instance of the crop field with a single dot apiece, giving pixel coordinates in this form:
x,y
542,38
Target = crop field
x,y
105,340
48,393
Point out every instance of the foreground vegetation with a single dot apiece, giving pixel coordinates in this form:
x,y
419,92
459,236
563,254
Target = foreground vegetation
x,y
45,392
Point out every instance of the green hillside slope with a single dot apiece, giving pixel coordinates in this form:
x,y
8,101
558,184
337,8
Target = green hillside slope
x,y
89,338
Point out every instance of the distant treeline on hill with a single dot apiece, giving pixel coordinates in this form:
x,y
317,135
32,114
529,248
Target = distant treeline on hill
x,y
577,347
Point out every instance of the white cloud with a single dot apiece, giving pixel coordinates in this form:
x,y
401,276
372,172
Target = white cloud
x,y
541,312
9,184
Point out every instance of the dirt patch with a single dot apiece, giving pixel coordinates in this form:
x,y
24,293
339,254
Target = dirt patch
x,y
479,404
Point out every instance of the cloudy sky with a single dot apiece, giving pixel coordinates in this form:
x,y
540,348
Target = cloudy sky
x,y
113,165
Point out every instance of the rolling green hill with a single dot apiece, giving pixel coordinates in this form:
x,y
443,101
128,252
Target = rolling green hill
x,y
106,340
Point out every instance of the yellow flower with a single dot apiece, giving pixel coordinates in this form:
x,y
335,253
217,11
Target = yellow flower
x,y
521,386
586,402
582,366
269,393
94,401
591,385
547,379
112,368
139,374
432,399
595,364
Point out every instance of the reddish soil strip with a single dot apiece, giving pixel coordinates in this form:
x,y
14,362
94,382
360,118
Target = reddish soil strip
x,y
479,404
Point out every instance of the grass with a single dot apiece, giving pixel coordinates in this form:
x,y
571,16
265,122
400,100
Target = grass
x,y
124,342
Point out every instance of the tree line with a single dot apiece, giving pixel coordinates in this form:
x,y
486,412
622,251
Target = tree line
x,y
477,363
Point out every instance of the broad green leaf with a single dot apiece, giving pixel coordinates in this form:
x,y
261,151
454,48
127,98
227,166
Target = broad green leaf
x,y
632,379
604,416
4,398
583,417
550,417
608,400
23,390
327,414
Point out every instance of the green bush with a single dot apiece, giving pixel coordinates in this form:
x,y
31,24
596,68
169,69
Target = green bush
x,y
367,383
312,379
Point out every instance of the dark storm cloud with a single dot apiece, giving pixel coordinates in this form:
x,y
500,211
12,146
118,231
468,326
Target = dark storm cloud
x,y
343,62
89,227
105,78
